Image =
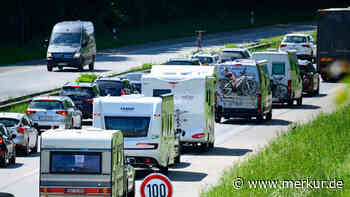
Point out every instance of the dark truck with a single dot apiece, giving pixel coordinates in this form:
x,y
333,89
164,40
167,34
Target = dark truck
x,y
333,42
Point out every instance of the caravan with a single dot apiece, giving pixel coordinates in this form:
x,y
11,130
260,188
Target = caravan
x,y
193,88
88,162
147,126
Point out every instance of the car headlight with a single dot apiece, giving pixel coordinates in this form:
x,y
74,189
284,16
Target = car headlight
x,y
76,55
49,55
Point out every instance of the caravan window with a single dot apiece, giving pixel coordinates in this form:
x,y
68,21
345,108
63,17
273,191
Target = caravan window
x,y
75,162
130,126
278,68
158,92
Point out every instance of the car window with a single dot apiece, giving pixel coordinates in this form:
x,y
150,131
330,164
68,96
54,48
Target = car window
x,y
65,38
108,87
130,126
46,104
295,39
159,92
25,122
179,63
77,91
9,122
278,68
205,60
3,131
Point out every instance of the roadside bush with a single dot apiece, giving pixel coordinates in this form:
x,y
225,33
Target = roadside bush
x,y
87,78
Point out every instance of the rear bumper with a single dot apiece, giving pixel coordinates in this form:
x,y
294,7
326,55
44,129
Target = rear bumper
x,y
70,62
140,162
42,194
239,112
281,100
49,125
138,158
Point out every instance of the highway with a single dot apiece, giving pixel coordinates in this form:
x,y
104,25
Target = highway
x,y
235,140
32,77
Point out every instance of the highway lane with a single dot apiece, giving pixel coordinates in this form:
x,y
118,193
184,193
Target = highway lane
x,y
31,77
235,140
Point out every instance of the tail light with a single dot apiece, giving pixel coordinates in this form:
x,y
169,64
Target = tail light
x,y
147,160
30,112
76,190
326,59
198,135
324,69
154,145
21,130
61,112
123,92
259,103
289,88
2,153
306,45
1,140
172,83
238,64
91,101
283,45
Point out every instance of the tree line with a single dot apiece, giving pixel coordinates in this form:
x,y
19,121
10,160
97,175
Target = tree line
x,y
24,20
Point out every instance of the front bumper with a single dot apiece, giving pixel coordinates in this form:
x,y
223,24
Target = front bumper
x,y
70,62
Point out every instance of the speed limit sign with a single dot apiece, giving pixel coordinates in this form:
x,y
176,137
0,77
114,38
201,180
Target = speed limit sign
x,y
156,185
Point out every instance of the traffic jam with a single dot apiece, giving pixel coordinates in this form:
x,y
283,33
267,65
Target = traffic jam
x,y
146,120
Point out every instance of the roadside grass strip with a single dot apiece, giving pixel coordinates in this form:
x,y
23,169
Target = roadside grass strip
x,y
304,157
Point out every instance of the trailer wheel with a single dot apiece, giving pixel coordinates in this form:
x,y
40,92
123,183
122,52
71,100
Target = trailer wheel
x,y
218,115
132,193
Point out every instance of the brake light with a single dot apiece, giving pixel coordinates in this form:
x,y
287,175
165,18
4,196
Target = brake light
x,y
89,101
198,135
61,112
52,190
289,88
2,152
322,12
77,190
323,69
21,130
259,102
77,86
1,140
238,64
306,45
172,82
148,160
98,190
156,115
326,59
283,45
123,92
155,146
30,112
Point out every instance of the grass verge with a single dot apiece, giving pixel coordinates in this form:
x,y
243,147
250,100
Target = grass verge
x,y
319,150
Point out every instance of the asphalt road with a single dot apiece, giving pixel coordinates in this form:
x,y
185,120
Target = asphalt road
x,y
32,77
235,140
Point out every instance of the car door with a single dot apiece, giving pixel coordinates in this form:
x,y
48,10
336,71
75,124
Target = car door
x,y
7,140
33,132
28,132
73,112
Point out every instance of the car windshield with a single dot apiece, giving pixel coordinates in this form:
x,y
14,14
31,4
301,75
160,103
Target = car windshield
x,y
205,60
130,126
113,88
231,55
9,122
75,162
295,39
175,62
133,77
76,91
158,92
278,68
65,38
46,104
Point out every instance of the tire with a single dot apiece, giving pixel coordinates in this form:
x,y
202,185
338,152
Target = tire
x,y
178,158
204,147
35,148
132,193
92,64
260,118
26,151
49,68
317,92
60,68
81,68
217,117
300,101
72,124
13,160
291,102
164,170
3,163
211,145
269,115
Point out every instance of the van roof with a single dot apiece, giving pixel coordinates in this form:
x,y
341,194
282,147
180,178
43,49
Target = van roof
x,y
91,138
133,98
182,71
246,62
12,115
272,52
297,34
58,98
70,26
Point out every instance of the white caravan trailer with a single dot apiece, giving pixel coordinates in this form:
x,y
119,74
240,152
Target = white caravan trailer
x,y
193,88
88,162
147,126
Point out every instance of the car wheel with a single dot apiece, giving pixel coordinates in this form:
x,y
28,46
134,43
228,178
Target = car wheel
x,y
218,118
92,64
35,148
81,123
211,145
60,68
13,160
269,115
49,68
300,101
26,150
291,102
317,92
3,163
71,124
164,169
81,68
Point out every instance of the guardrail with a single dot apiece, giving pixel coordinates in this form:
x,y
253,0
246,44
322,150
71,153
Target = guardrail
x,y
19,100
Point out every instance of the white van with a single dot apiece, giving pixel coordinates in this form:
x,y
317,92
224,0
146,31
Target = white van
x,y
88,162
147,126
285,76
193,88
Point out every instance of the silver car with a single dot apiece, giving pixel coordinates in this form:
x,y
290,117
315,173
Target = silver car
x,y
26,134
54,112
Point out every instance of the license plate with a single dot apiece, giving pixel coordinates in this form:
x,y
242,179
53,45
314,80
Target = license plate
x,y
75,191
45,118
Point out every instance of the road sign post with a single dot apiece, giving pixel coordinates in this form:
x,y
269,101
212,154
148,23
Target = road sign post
x,y
156,185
